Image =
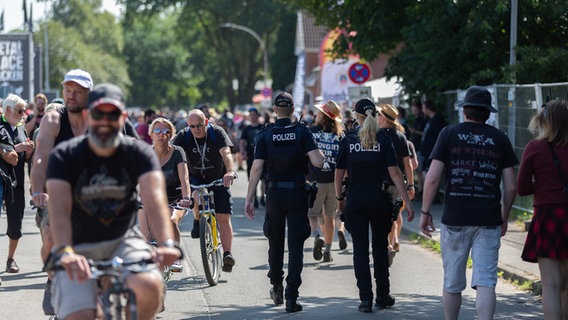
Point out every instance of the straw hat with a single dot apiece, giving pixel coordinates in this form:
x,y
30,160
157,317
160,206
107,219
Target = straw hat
x,y
331,109
389,112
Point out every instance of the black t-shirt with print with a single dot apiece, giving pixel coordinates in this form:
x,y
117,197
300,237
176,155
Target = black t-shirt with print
x,y
474,155
250,135
103,188
328,143
207,166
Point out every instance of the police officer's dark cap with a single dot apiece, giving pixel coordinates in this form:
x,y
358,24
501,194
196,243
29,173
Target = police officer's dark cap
x,y
365,104
284,99
107,93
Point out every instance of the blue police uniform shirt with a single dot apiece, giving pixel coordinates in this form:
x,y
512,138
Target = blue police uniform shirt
x,y
365,165
284,147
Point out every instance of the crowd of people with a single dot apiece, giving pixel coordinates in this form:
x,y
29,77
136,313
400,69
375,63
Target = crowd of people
x,y
105,183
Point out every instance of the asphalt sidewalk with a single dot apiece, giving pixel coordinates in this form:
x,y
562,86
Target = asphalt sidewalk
x,y
510,264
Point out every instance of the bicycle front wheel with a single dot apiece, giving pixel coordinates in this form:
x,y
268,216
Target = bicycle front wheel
x,y
210,255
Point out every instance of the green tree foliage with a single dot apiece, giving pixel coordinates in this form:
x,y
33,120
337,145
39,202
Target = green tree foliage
x,y
82,36
449,44
219,55
283,59
158,63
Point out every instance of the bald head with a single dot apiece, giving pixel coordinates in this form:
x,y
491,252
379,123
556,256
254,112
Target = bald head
x,y
197,123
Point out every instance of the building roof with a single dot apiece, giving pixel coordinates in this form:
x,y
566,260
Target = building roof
x,y
308,35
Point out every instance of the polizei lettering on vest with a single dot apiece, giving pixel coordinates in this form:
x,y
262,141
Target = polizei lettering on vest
x,y
284,136
357,147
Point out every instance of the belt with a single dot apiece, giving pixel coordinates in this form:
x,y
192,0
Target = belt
x,y
286,185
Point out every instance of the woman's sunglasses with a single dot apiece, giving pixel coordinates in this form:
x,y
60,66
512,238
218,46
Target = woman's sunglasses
x,y
162,131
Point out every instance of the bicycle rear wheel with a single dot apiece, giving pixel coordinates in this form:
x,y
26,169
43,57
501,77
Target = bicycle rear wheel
x,y
210,255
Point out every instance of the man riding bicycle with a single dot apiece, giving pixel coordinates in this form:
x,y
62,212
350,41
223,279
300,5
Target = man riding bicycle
x,y
208,153
92,182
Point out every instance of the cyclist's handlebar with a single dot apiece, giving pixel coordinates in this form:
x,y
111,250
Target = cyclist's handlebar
x,y
115,264
216,183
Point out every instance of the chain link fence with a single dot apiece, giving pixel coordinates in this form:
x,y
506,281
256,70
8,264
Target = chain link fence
x,y
516,104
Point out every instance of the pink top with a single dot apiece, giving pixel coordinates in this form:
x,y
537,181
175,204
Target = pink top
x,y
538,163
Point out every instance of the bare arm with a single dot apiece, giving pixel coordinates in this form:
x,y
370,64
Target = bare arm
x,y
509,194
60,209
316,158
60,212
153,196
229,166
255,173
338,184
413,160
396,176
45,141
11,157
183,174
431,184
409,176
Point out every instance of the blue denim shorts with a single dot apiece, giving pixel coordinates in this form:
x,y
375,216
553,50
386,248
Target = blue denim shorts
x,y
456,244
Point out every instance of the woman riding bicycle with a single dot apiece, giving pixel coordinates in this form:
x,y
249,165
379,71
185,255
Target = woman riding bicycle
x,y
174,166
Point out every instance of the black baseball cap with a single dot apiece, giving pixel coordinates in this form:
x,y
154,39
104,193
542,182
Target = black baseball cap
x,y
365,104
284,99
107,93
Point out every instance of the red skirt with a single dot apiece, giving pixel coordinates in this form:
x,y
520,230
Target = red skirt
x,y
548,234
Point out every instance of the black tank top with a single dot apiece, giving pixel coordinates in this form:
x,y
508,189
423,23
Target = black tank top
x,y
65,131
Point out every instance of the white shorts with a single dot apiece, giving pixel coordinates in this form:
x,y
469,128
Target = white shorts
x,y
457,242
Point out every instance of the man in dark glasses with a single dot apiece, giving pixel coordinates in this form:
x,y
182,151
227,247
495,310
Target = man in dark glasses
x,y
55,127
92,182
208,152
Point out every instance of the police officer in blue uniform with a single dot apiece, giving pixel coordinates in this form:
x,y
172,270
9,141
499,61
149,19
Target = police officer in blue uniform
x,y
283,147
368,158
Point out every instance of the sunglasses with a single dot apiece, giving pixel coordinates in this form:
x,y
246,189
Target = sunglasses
x,y
97,114
199,125
162,131
20,111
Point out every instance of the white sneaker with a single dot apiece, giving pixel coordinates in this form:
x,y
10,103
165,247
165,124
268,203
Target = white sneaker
x,y
177,266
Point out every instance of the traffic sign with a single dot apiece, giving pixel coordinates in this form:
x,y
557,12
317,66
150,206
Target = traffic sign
x,y
359,72
267,92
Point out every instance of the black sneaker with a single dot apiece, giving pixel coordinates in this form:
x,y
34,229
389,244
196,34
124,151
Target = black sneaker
x,y
292,305
342,240
195,230
318,245
383,303
327,257
228,262
48,309
277,295
366,306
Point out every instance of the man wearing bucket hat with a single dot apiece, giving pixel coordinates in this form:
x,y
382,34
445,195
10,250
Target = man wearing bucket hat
x,y
389,125
284,147
476,158
327,131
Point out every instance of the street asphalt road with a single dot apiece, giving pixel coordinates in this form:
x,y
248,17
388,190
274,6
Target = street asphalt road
x,y
328,291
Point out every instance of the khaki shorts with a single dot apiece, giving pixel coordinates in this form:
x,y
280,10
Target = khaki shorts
x,y
69,296
325,203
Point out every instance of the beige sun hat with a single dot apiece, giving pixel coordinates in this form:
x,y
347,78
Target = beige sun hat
x,y
331,109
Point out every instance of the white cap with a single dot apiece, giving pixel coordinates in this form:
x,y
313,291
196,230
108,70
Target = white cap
x,y
80,77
